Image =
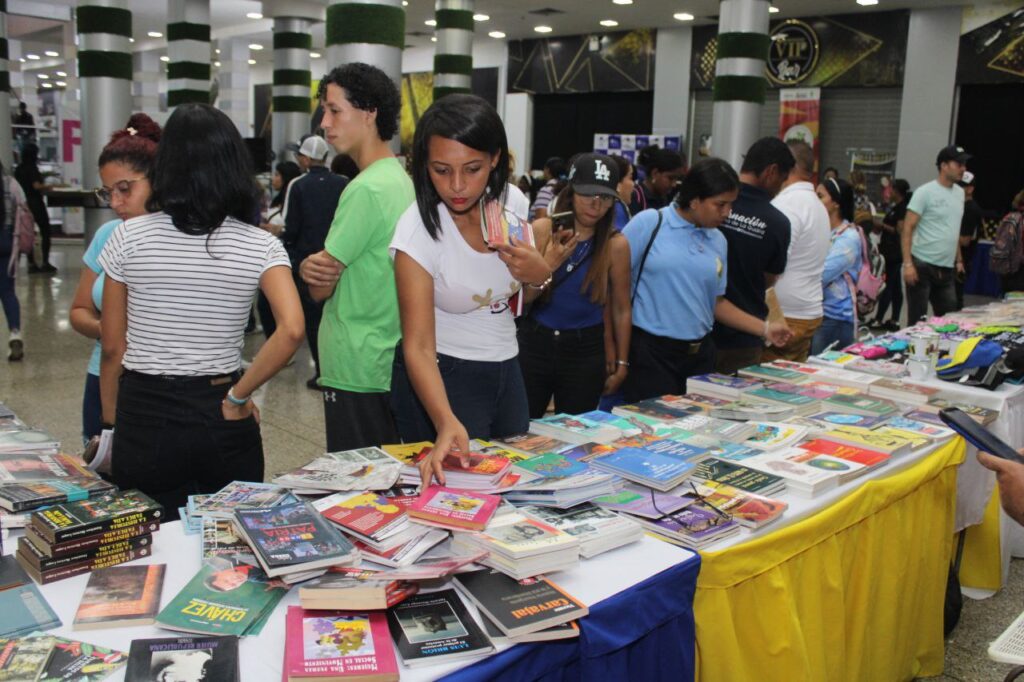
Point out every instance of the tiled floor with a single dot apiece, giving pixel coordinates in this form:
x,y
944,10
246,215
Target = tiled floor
x,y
46,390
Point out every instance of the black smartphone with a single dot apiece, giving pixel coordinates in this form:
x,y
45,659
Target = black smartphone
x,y
565,220
977,435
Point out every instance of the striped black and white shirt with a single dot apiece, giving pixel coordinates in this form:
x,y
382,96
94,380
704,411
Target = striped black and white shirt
x,y
189,296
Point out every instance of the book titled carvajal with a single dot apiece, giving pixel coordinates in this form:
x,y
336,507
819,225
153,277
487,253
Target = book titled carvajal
x,y
435,627
293,537
120,596
452,508
183,658
519,607
342,646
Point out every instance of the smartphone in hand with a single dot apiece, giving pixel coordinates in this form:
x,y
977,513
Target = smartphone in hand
x,y
977,435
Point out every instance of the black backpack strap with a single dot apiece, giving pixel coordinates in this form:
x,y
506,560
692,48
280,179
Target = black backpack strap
x,y
643,259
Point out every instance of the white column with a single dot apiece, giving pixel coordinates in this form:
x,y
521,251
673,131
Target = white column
x,y
188,46
292,97
518,119
453,54
147,70
233,80
672,81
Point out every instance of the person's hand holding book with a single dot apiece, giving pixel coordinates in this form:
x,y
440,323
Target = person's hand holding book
x,y
453,439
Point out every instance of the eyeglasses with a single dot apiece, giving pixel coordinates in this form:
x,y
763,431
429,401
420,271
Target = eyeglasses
x,y
603,199
122,188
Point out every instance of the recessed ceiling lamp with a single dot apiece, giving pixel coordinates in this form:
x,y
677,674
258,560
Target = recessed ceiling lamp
x,y
61,84
433,39
165,58
217,64
51,53
496,34
314,55
254,15
683,16
47,85
867,3
430,22
481,17
623,2
609,22
255,46
155,34
772,9
42,75
252,62
62,74
543,29
32,56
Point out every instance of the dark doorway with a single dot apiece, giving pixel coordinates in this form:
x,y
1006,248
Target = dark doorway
x,y
989,127
564,125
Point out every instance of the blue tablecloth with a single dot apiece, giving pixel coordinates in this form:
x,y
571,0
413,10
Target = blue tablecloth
x,y
643,633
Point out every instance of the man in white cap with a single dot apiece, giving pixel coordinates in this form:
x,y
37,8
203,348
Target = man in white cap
x,y
310,203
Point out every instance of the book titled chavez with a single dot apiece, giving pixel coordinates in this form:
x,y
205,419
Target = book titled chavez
x,y
519,607
435,627
97,516
173,658
338,645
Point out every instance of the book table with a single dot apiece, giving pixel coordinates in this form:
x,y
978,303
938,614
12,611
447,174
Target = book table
x,y
640,624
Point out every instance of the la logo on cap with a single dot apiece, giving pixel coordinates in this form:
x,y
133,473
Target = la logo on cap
x,y
601,171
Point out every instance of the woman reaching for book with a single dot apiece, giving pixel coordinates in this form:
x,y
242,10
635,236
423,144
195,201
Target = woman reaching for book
x,y
562,344
679,277
455,374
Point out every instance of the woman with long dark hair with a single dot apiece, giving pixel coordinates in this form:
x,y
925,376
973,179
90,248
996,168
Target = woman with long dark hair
x,y
562,344
456,375
125,165
663,169
180,283
679,274
31,181
842,267
284,173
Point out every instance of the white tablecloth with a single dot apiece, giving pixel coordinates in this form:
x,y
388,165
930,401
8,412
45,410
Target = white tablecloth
x,y
262,657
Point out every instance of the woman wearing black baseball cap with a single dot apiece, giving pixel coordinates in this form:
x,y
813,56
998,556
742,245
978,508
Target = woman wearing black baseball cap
x,y
575,343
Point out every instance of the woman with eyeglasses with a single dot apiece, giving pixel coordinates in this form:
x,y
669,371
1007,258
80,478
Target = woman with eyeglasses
x,y
124,165
842,267
562,344
679,275
180,281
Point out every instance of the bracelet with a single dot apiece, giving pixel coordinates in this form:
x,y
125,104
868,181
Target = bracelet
x,y
233,400
622,363
907,265
543,285
764,334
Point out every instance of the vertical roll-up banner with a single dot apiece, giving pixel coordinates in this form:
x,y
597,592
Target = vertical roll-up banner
x,y
800,117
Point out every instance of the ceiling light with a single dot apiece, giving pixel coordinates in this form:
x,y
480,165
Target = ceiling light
x,y
131,40
42,75
61,84
623,2
481,17
433,39
165,58
609,22
22,60
217,50
62,74
542,29
155,34
254,15
405,3
314,55
217,64
252,62
32,56
47,85
255,46
867,3
51,53
772,9
496,34
430,22
683,16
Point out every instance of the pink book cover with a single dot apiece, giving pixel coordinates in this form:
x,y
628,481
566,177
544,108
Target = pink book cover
x,y
456,507
338,643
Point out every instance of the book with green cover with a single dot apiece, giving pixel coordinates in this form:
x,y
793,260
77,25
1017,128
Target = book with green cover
x,y
22,660
859,404
738,476
770,373
223,599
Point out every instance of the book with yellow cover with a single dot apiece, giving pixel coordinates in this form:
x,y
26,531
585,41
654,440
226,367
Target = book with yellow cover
x,y
882,439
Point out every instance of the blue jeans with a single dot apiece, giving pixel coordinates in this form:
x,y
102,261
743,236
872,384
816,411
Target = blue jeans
x,y
8,298
832,330
92,409
489,398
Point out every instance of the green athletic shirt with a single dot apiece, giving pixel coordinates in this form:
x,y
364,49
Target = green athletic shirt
x,y
360,325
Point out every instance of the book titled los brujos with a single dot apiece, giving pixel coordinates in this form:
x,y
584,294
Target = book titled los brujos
x,y
338,645
435,627
119,596
183,658
293,537
96,516
519,607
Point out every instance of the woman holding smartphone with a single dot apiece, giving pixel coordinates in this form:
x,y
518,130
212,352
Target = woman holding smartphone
x,y
562,344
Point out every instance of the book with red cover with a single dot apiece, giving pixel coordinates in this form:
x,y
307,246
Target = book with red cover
x,y
338,645
368,514
452,508
851,453
487,467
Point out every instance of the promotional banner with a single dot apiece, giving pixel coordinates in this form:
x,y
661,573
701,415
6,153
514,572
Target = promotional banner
x,y
628,146
878,169
800,117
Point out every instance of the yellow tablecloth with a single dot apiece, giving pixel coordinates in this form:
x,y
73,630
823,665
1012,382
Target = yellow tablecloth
x,y
854,592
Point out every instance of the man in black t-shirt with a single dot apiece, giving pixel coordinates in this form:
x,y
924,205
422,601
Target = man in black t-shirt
x,y
758,237
970,230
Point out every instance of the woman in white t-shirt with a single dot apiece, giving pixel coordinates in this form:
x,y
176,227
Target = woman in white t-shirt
x,y
456,372
179,285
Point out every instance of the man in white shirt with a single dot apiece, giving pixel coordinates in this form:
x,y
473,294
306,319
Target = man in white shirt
x,y
799,288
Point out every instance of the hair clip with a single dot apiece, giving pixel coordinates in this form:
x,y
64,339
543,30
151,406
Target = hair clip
x,y
131,131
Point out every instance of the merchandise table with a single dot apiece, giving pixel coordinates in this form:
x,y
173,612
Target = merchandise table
x,y
641,619
850,588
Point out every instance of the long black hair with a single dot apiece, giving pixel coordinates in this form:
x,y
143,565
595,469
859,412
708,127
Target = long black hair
x,y
842,194
288,170
468,120
707,178
653,158
203,173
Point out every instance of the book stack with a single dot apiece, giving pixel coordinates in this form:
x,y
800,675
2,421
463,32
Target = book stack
x,y
665,409
362,469
882,439
738,476
659,470
453,509
902,391
531,444
826,374
833,419
519,608
565,492
869,459
982,415
215,657
574,429
21,497
404,554
771,372
734,432
703,401
338,645
598,530
30,467
239,495
753,410
28,441
465,471
79,537
434,627
805,476
917,428
375,520
721,385
521,547
800,403
774,435
354,589
221,539
642,502
747,509
694,526
293,539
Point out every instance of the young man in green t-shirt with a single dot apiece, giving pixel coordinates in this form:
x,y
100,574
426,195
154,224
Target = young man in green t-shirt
x,y
354,274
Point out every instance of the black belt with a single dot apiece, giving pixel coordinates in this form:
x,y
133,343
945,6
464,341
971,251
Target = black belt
x,y
581,334
186,380
678,345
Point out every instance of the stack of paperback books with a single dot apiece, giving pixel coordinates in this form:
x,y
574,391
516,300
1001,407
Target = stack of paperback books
x,y
598,530
434,627
721,385
354,589
521,547
338,645
649,466
377,521
238,495
453,509
79,537
362,469
574,429
694,526
566,492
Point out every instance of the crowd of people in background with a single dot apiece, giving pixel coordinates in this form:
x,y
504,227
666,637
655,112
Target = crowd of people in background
x,y
629,279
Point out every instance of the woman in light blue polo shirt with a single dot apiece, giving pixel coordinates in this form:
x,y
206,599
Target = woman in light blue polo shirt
x,y
125,164
842,267
679,271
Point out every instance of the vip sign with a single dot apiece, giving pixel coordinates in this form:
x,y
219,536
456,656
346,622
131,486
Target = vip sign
x,y
793,54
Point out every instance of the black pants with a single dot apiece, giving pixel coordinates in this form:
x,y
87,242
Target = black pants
x,y
893,292
313,312
42,218
660,366
567,364
171,439
935,285
357,420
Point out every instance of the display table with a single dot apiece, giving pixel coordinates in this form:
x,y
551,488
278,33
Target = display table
x,y
641,619
852,588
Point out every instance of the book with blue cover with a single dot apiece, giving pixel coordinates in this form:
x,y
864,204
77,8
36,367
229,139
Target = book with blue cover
x,y
574,429
25,610
658,470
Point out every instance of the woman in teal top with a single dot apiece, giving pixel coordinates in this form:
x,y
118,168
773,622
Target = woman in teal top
x,y
125,164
